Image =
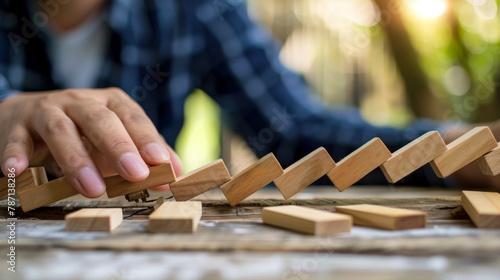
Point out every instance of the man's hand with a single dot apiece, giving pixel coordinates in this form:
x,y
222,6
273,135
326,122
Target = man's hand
x,y
86,134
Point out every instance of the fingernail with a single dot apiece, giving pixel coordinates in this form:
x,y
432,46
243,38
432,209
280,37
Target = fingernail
x,y
91,181
157,152
134,165
11,163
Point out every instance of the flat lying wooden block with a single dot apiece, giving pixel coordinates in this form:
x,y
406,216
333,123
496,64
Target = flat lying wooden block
x,y
304,172
252,179
158,175
306,220
384,217
464,150
200,180
413,156
359,163
483,208
176,217
490,162
94,219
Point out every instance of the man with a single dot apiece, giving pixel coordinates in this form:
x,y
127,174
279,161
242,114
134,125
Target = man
x,y
152,54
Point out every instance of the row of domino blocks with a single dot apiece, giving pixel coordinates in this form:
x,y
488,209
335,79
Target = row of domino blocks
x,y
478,144
183,217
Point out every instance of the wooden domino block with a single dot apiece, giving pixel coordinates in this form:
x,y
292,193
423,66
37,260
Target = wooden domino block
x,y
38,196
306,220
176,217
359,163
253,178
33,196
464,150
413,156
200,180
384,217
30,178
490,162
483,208
94,219
304,172
158,175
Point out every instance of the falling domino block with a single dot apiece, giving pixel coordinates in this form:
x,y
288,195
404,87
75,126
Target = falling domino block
x,y
176,217
464,150
483,208
359,163
384,217
253,178
95,219
304,172
413,156
490,162
34,196
200,181
306,220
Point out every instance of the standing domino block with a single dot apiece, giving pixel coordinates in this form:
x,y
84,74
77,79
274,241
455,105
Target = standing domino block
x,y
252,179
384,217
94,219
176,217
304,172
413,156
306,220
464,150
200,180
490,162
158,175
359,163
483,208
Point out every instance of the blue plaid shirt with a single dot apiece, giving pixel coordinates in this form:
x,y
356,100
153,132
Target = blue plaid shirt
x,y
160,51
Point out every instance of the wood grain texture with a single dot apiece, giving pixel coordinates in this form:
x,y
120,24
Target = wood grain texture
x,y
176,217
490,162
359,163
44,194
483,208
158,175
306,220
32,177
464,150
200,180
413,156
384,217
253,178
94,219
304,172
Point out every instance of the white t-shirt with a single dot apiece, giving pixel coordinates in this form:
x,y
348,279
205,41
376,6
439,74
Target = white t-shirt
x,y
77,55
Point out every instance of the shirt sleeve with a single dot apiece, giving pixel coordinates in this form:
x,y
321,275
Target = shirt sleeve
x,y
272,107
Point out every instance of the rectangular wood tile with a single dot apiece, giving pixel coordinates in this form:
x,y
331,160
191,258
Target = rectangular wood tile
x,y
94,219
176,217
359,163
384,217
464,150
304,172
413,156
306,220
158,175
200,180
45,194
483,208
490,162
252,179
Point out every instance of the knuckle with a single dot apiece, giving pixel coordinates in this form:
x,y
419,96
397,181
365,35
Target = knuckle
x,y
58,125
99,115
71,93
135,116
119,144
116,91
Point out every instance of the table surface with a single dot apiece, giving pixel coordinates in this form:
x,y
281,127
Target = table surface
x,y
232,242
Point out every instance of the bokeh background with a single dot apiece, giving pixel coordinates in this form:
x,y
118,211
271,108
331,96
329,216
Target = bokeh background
x,y
396,60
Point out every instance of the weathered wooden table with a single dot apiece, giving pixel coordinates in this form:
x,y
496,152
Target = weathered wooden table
x,y
232,243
